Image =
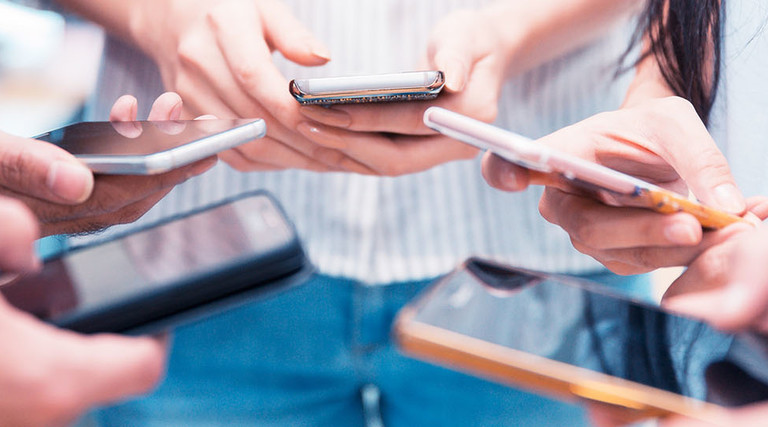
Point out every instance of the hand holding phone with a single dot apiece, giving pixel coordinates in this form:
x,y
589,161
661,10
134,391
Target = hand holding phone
x,y
628,240
496,321
408,86
108,199
151,147
175,272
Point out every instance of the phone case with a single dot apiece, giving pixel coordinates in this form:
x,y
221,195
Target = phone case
x,y
277,266
469,319
366,89
599,182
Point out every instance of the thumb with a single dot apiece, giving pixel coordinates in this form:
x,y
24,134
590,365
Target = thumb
x,y
742,302
452,51
289,36
42,170
690,149
119,367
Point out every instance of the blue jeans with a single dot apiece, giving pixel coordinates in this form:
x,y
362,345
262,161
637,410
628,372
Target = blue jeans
x,y
302,358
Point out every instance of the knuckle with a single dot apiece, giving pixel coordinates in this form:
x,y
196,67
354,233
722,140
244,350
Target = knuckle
x,y
623,269
189,52
644,258
487,112
716,264
545,208
247,74
583,230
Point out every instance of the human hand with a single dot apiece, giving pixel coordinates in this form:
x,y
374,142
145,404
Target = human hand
x,y
661,141
391,138
727,285
49,377
18,233
218,56
748,416
41,387
117,199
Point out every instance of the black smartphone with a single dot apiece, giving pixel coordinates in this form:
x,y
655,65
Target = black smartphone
x,y
408,86
171,273
151,147
575,340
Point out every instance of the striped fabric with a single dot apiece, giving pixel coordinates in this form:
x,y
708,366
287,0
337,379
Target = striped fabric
x,y
383,230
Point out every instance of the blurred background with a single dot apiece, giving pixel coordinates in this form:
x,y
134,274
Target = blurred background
x,y
48,66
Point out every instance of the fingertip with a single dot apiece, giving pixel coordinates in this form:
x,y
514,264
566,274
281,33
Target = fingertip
x,y
167,106
70,181
455,71
503,175
319,51
124,109
683,229
729,198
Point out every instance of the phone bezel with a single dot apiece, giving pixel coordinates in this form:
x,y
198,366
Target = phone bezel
x,y
406,86
189,299
520,369
607,185
172,158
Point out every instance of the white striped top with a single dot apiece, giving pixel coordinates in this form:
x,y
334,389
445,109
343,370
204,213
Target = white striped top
x,y
383,230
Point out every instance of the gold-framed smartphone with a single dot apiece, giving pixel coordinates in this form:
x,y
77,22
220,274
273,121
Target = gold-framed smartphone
x,y
407,86
609,186
574,340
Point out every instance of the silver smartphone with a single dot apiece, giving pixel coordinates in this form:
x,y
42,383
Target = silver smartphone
x,y
151,147
408,86
609,186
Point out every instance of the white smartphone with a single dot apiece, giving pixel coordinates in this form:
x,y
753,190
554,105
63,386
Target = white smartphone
x,y
607,185
574,340
151,147
408,86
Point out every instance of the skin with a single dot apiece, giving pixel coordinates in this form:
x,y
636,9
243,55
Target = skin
x,y
650,140
477,50
217,55
41,387
113,199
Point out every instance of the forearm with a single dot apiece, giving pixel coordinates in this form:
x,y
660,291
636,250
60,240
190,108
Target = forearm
x,y
552,28
113,15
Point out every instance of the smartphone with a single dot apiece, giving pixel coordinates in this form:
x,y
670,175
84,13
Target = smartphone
x,y
573,340
408,86
151,147
607,185
169,274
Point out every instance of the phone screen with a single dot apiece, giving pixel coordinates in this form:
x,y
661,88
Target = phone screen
x,y
547,317
135,138
151,261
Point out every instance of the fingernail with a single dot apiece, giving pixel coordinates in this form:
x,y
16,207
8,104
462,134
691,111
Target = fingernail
x,y
176,111
509,180
70,181
328,116
730,199
326,139
681,234
319,50
455,75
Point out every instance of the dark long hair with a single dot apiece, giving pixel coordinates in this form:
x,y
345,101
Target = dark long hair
x,y
685,38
